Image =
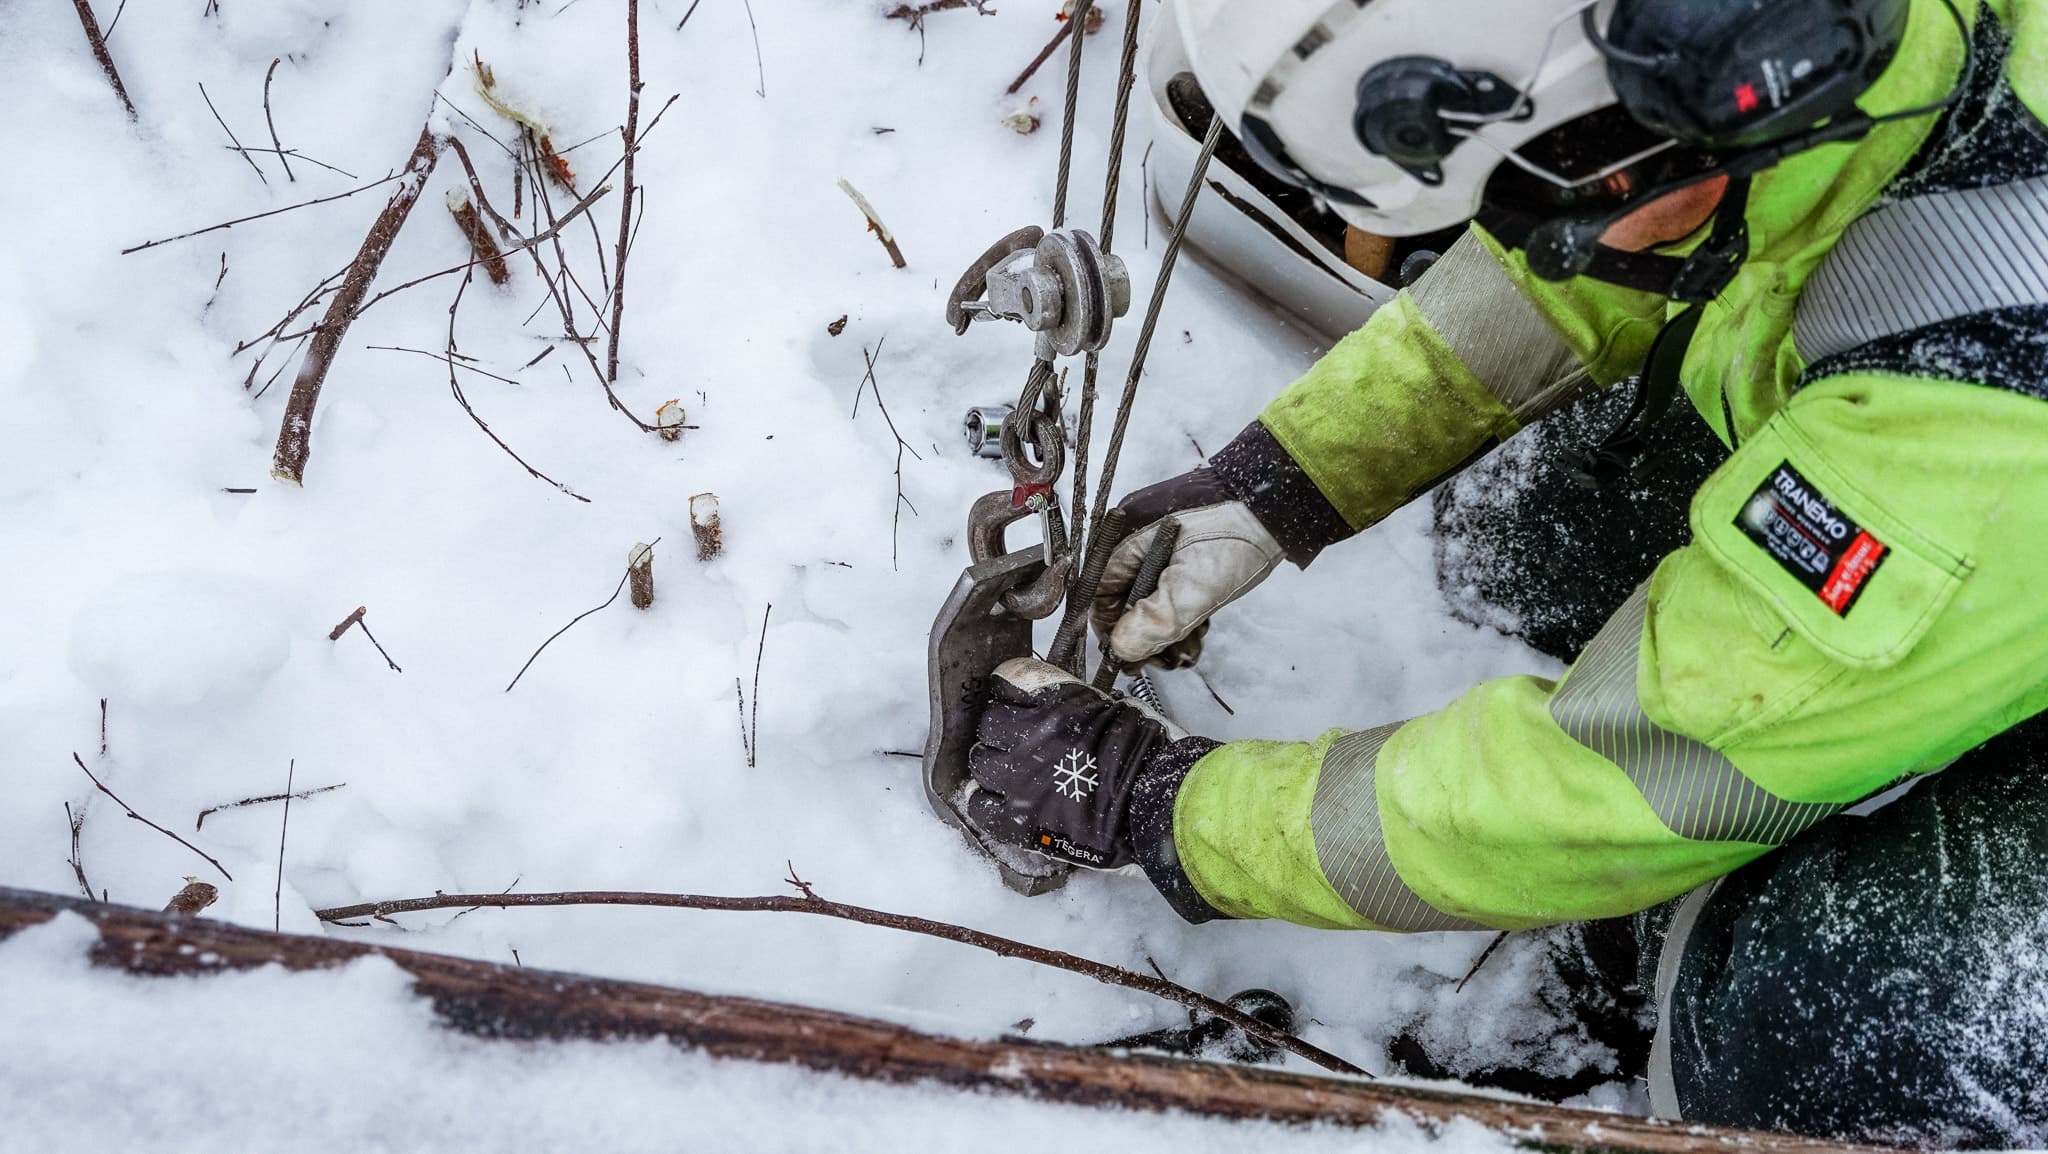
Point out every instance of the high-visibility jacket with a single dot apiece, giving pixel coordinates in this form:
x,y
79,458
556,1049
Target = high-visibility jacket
x,y
1865,596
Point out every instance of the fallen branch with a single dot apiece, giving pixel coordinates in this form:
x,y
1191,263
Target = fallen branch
x,y
914,16
509,1002
623,578
1093,20
130,810
810,903
875,224
295,435
750,720
265,799
98,44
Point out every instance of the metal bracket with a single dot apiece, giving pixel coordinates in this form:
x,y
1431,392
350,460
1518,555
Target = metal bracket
x,y
1059,284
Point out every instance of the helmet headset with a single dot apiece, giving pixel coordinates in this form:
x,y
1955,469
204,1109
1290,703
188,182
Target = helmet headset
x,y
1751,82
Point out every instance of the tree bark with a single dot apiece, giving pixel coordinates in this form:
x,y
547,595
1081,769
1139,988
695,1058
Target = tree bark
x,y
496,1001
294,439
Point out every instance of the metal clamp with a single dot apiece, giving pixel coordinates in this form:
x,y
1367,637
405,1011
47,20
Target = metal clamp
x,y
1060,285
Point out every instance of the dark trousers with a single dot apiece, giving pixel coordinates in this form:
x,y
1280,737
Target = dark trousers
x,y
1883,978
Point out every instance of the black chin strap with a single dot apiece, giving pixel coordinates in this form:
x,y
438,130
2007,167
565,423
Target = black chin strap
x,y
1695,280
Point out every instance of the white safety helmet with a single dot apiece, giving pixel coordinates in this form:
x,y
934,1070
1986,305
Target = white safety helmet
x,y
1398,113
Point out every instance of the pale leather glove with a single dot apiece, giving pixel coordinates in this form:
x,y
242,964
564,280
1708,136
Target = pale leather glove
x,y
1222,553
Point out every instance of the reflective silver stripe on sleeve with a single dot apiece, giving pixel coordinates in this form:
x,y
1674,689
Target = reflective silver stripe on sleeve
x,y
1695,791
1468,299
1351,847
1924,260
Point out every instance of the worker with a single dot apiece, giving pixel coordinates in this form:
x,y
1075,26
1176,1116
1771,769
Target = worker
x,y
1826,222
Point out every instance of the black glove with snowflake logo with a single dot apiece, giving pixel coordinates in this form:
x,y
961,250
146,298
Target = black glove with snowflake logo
x,y
1055,764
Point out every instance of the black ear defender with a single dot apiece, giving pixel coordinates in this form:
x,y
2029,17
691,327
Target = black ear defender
x,y
1407,106
1739,75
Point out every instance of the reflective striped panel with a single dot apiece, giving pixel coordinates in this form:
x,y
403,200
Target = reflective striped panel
x,y
1350,846
1496,333
1694,791
1925,260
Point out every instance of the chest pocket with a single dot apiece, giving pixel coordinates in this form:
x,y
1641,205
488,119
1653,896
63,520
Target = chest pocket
x,y
1849,575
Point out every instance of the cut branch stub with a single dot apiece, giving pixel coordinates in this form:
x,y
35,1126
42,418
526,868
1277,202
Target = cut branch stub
x,y
295,436
640,571
196,896
481,242
704,525
668,420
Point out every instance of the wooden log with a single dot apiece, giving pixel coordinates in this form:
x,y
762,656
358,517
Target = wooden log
x,y
496,1001
295,437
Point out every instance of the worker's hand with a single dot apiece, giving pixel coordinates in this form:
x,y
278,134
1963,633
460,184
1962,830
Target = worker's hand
x,y
1055,762
1223,551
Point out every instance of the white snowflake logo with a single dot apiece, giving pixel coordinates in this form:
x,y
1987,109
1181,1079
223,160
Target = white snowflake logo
x,y
1075,777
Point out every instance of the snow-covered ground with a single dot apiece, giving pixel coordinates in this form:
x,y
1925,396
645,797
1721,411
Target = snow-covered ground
x,y
201,615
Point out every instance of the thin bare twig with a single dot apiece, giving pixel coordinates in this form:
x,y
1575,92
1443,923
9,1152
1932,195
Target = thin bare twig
x,y
275,143
810,903
548,234
623,577
264,800
103,727
760,73
356,619
116,21
101,786
869,381
754,721
98,43
257,168
261,215
1481,960
687,13
77,823
455,388
277,894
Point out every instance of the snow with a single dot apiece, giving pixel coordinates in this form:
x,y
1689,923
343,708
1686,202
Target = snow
x,y
201,615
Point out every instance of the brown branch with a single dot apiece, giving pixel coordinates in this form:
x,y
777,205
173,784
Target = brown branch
x,y
264,800
98,44
476,188
1044,54
626,135
810,903
261,215
258,169
295,434
196,896
509,1002
101,786
356,619
270,121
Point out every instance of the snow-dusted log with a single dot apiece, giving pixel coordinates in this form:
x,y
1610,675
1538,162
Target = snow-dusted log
x,y
507,1002
295,438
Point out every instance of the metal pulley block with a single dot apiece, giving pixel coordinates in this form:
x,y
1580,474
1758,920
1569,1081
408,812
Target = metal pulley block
x,y
1059,284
